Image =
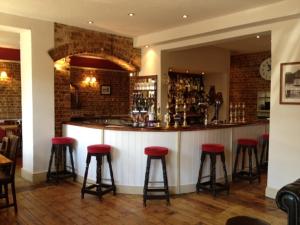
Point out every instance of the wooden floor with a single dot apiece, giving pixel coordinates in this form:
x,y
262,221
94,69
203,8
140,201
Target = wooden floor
x,y
61,204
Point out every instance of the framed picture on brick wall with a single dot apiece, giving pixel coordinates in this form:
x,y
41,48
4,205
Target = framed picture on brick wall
x,y
290,83
105,89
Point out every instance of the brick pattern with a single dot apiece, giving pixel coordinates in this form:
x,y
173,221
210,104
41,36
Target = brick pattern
x,y
10,91
71,40
92,103
245,81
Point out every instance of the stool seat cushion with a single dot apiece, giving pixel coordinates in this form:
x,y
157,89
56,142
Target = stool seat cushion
x,y
265,136
156,151
245,141
212,148
100,148
62,140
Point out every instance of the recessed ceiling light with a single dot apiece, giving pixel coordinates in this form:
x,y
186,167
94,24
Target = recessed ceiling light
x,y
146,46
131,14
257,36
91,22
185,16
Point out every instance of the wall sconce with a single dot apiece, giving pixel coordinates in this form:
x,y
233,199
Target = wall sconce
x,y
90,81
3,76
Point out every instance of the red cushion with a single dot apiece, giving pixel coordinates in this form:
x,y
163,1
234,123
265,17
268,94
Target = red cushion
x,y
212,148
62,140
265,136
156,151
245,141
100,148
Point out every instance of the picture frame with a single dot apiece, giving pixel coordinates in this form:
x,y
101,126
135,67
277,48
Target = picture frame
x,y
290,83
105,89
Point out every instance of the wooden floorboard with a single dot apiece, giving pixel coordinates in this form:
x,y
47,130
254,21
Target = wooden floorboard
x,y
61,205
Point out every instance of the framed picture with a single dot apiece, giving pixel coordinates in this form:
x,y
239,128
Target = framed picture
x,y
105,90
290,83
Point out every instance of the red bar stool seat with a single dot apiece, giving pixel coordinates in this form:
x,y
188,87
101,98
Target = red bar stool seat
x,y
99,151
244,145
248,142
264,157
101,148
59,153
212,150
156,152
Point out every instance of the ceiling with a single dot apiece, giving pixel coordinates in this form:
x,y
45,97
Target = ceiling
x,y
248,44
112,15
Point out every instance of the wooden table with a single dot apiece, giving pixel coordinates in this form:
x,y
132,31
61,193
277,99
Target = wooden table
x,y
4,160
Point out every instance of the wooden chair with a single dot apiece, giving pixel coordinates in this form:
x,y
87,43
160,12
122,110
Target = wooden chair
x,y
4,146
7,173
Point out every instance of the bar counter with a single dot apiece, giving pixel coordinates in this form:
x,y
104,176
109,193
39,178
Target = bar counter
x,y
183,160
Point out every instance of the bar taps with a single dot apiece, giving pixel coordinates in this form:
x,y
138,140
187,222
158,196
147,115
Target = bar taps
x,y
167,117
184,124
176,117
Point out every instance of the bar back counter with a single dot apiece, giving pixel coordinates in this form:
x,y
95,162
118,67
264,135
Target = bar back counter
x,y
183,160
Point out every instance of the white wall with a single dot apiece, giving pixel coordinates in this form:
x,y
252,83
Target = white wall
x,y
36,38
215,62
284,153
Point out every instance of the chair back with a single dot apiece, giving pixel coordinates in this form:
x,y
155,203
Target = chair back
x,y
2,133
12,155
4,146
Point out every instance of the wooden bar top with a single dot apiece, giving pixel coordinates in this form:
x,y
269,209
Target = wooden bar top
x,y
4,160
162,129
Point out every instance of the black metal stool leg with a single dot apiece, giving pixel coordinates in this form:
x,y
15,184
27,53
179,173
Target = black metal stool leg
x,y
236,162
257,163
111,173
213,173
57,160
72,162
146,180
225,171
88,160
99,175
262,153
203,155
250,163
166,185
50,163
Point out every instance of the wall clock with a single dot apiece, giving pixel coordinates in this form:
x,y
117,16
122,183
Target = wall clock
x,y
265,69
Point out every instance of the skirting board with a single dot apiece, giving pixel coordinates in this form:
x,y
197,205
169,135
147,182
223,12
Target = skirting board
x,y
271,192
35,178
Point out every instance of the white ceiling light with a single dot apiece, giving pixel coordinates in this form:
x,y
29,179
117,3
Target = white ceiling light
x,y
131,14
185,16
90,22
146,46
257,36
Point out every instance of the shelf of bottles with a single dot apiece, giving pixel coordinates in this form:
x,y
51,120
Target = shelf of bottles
x,y
143,93
188,89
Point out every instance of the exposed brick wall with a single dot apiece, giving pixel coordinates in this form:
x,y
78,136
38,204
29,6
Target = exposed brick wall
x,y
245,81
92,103
71,40
10,91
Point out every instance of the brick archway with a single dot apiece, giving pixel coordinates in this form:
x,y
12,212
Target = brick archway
x,y
129,59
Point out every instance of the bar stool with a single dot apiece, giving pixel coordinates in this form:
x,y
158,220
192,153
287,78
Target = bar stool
x,y
212,150
58,150
264,151
99,151
156,152
243,146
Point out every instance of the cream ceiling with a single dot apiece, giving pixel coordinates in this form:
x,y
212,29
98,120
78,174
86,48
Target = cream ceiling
x,y
112,15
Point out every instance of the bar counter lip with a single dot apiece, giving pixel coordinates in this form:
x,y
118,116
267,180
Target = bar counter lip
x,y
162,129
